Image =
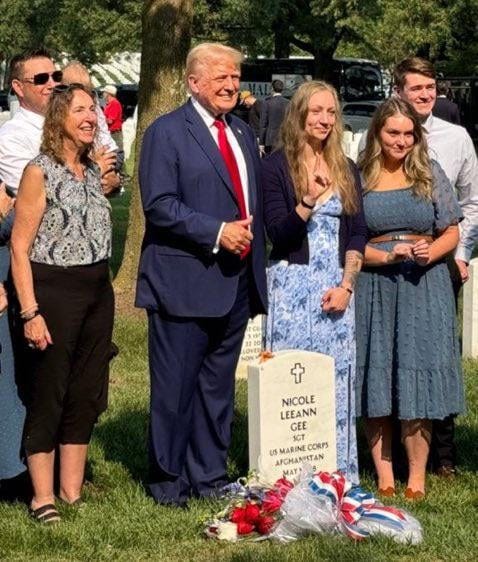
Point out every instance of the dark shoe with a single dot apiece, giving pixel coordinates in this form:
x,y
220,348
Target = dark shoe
x,y
114,351
46,514
446,471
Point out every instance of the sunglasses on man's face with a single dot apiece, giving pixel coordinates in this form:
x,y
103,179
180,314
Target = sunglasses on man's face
x,y
42,78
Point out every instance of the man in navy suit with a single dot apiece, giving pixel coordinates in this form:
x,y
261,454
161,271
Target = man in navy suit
x,y
273,111
201,273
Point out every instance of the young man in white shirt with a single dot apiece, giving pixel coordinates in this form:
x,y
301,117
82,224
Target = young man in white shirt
x,y
451,146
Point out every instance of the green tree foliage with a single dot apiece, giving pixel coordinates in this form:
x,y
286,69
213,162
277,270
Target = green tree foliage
x,y
89,30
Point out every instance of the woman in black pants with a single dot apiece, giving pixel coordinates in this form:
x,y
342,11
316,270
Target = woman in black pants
x,y
61,243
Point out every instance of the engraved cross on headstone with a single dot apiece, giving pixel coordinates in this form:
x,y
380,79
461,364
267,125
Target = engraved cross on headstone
x,y
297,372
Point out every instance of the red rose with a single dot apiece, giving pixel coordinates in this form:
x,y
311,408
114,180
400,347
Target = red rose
x,y
244,528
252,513
271,502
265,524
283,487
238,515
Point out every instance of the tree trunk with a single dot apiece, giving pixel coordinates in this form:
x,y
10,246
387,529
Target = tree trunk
x,y
323,65
166,39
281,40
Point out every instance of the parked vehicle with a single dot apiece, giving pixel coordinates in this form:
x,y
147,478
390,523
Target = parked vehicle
x,y
354,79
357,115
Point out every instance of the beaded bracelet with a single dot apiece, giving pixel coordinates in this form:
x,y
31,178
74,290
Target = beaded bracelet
x,y
28,309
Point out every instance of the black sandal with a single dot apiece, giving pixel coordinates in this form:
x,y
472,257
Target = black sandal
x,y
46,514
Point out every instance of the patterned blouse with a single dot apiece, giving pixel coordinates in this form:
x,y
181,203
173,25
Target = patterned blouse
x,y
76,225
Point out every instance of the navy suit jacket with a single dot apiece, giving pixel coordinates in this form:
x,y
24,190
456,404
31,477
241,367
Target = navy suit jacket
x,y
272,114
187,194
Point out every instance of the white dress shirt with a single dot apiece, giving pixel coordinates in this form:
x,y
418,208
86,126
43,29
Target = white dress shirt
x,y
451,146
209,119
20,140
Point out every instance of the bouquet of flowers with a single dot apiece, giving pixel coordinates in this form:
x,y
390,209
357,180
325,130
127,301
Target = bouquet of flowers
x,y
252,512
318,503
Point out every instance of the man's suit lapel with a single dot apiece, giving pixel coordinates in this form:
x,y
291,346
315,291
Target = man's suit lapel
x,y
199,131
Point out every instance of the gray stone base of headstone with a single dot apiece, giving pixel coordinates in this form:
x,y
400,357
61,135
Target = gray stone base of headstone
x,y
470,312
291,409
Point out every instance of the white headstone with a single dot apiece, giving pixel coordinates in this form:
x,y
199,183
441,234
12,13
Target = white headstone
x,y
251,346
291,400
470,312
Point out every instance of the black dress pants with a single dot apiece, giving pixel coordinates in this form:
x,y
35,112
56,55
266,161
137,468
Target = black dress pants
x,y
443,449
67,383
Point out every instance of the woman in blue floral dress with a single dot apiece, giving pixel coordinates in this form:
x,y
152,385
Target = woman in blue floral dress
x,y
314,219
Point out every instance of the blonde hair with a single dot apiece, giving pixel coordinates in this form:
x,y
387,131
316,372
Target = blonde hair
x,y
203,54
55,117
293,139
416,164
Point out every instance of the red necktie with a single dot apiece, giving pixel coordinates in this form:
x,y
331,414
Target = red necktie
x,y
231,165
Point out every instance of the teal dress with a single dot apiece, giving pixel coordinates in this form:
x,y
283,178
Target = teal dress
x,y
408,358
12,411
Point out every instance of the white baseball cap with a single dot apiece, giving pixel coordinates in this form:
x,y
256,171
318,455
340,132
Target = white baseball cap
x,y
110,89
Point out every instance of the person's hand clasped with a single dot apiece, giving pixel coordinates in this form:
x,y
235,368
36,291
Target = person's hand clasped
x,y
400,252
37,334
335,300
236,236
463,269
421,252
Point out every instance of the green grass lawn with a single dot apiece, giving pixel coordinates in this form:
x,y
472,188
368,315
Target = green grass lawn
x,y
119,522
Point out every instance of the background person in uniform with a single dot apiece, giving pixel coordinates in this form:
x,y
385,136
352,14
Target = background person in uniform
x,y
201,273
272,114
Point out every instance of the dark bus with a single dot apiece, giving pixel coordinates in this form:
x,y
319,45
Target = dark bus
x,y
354,79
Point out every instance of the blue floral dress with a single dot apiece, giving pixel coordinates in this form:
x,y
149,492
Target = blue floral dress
x,y
296,321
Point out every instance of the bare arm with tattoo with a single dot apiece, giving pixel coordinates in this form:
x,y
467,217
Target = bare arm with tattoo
x,y
337,299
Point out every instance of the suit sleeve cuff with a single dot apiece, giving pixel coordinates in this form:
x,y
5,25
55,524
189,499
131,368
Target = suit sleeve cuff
x,y
216,248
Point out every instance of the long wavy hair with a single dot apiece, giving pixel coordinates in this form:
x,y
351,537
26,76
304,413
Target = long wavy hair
x,y
55,117
416,165
293,140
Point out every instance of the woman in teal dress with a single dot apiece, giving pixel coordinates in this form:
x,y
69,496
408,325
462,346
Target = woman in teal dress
x,y
408,361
